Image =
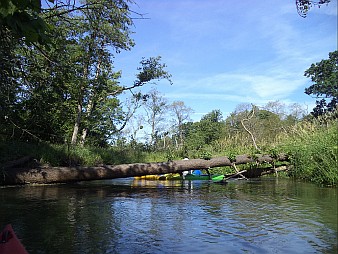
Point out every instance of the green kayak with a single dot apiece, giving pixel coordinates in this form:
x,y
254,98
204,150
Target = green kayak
x,y
198,177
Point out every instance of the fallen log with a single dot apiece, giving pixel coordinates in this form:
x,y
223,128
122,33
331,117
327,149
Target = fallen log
x,y
47,175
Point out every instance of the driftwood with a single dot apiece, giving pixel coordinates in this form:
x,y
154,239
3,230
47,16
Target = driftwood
x,y
238,173
47,175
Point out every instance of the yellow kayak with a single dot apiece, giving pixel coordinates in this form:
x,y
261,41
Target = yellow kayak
x,y
216,177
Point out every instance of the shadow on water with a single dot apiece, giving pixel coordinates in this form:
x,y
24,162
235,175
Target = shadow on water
x,y
128,216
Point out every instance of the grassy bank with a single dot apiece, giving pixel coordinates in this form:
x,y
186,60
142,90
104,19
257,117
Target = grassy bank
x,y
65,155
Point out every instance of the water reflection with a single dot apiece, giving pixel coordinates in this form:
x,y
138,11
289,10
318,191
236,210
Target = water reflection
x,y
127,216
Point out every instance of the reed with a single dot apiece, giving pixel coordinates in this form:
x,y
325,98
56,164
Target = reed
x,y
313,149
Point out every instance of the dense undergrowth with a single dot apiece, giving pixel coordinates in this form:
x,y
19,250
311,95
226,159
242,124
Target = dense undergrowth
x,y
313,149
311,145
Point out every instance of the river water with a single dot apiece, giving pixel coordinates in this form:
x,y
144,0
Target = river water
x,y
267,215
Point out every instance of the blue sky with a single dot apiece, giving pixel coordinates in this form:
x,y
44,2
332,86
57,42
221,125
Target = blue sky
x,y
222,53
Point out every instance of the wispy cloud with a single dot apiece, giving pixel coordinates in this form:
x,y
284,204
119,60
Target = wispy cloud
x,y
222,53
237,87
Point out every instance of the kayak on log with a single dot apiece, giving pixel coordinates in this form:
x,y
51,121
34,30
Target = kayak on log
x,y
10,243
174,177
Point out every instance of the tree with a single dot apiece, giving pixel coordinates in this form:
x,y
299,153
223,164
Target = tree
x,y
212,125
324,76
276,107
102,27
296,113
252,125
233,121
208,130
47,175
156,107
68,89
193,136
180,113
303,6
20,24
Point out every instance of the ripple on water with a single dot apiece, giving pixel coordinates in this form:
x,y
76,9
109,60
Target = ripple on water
x,y
262,216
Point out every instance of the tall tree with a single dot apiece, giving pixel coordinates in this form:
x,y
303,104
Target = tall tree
x,y
324,76
180,113
156,107
104,26
208,130
277,107
211,125
68,89
20,24
296,113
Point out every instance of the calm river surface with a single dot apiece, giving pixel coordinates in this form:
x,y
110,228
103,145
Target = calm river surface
x,y
265,215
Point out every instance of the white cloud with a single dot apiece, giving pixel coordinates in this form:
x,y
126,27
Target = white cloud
x,y
237,87
223,53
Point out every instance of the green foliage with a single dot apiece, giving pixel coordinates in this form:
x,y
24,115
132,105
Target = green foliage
x,y
232,156
170,154
151,69
254,156
211,126
222,170
324,76
205,132
274,152
263,124
68,89
22,18
205,155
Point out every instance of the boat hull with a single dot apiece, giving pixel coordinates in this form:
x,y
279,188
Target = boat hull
x,y
189,177
9,242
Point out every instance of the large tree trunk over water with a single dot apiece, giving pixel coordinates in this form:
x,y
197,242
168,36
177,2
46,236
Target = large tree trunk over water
x,y
46,175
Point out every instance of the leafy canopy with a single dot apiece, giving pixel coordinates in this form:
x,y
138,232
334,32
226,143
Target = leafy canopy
x,y
324,76
22,18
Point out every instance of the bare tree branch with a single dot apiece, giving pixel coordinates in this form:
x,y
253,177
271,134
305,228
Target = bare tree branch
x,y
251,134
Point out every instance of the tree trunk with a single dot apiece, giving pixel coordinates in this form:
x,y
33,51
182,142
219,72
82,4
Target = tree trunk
x,y
77,124
79,109
46,175
91,102
250,133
